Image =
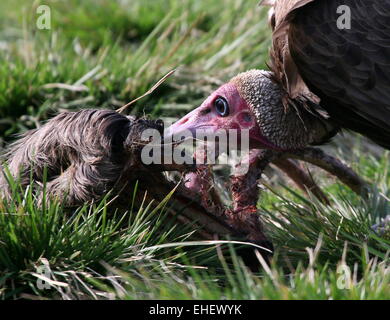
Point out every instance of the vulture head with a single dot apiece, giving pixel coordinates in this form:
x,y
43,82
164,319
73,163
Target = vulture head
x,y
254,101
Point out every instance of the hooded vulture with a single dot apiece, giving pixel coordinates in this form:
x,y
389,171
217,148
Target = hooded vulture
x,y
330,70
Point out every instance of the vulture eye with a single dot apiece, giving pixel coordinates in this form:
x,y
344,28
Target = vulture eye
x,y
222,107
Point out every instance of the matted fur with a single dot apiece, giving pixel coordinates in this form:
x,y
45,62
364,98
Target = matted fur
x,y
85,153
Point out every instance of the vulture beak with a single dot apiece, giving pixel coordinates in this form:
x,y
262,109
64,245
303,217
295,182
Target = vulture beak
x,y
199,118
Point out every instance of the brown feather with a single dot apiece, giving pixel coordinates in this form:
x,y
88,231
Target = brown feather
x,y
284,10
346,70
282,64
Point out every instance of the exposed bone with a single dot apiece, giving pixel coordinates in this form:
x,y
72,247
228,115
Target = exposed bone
x,y
204,205
183,205
245,193
332,165
243,218
303,180
245,189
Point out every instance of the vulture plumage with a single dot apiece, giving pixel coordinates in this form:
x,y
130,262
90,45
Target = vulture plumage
x,y
323,78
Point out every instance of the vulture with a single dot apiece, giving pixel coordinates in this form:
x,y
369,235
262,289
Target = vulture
x,y
329,71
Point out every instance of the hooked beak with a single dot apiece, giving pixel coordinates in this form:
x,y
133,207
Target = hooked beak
x,y
198,119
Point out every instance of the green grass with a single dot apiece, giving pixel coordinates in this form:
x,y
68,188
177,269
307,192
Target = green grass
x,y
321,252
88,48
113,51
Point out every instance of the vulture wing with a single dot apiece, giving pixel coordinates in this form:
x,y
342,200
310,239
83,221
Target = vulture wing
x,y
282,65
348,69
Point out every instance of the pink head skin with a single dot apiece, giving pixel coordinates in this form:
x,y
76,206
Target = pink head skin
x,y
223,109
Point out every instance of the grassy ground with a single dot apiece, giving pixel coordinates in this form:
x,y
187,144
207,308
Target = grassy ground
x,y
109,52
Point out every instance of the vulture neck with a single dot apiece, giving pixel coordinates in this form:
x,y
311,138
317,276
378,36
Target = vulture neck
x,y
288,124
